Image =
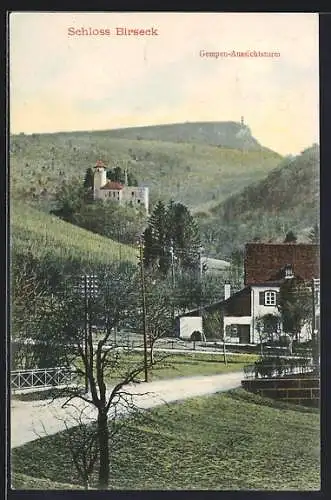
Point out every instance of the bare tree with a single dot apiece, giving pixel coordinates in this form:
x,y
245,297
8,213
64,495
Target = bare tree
x,y
214,325
108,370
159,306
31,300
82,443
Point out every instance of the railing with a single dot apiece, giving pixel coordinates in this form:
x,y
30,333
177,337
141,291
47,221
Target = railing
x,y
41,377
278,367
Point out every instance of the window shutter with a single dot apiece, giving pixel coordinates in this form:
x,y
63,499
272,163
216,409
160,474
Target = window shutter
x,y
261,295
277,298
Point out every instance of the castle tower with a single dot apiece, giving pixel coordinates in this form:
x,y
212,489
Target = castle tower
x,y
100,177
242,121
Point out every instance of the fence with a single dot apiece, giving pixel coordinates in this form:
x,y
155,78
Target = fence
x,y
278,367
41,377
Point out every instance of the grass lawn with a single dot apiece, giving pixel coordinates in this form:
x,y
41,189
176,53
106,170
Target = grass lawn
x,y
228,441
194,364
32,483
174,365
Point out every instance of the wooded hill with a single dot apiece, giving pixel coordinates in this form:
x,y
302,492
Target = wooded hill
x,y
236,194
287,199
194,173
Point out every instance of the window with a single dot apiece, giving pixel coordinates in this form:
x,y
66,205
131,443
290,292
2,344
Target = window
x,y
268,298
288,271
232,330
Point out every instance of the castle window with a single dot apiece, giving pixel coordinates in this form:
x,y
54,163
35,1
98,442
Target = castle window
x,y
132,194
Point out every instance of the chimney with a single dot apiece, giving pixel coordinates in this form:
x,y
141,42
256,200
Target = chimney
x,y
227,290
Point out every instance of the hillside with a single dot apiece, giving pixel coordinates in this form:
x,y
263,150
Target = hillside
x,y
233,440
231,135
287,199
196,174
293,184
46,235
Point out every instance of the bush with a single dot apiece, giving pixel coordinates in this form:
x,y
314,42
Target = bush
x,y
196,335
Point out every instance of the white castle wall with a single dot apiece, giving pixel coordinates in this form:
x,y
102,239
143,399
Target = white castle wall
x,y
134,194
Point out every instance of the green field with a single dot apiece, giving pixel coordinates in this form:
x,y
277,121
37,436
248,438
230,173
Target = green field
x,y
227,441
186,365
40,233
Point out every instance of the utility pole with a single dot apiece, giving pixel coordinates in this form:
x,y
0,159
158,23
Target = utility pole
x,y
143,296
90,288
200,279
172,279
119,244
315,333
86,330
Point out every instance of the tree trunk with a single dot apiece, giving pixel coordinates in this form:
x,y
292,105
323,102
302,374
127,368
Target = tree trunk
x,y
103,437
151,355
224,353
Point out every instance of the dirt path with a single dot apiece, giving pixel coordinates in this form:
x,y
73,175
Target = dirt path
x,y
33,419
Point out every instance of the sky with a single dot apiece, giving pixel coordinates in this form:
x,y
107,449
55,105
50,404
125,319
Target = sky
x,y
64,82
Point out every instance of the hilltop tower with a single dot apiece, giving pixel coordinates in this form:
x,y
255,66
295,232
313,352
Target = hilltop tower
x,y
100,177
242,121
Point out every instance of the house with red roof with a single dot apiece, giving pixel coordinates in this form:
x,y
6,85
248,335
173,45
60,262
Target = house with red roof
x,y
266,266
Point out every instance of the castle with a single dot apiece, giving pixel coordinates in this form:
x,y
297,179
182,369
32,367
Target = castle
x,y
105,189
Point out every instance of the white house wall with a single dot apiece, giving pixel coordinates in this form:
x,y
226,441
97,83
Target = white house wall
x,y
260,310
236,320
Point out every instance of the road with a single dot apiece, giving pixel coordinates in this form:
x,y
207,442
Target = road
x,y
33,419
